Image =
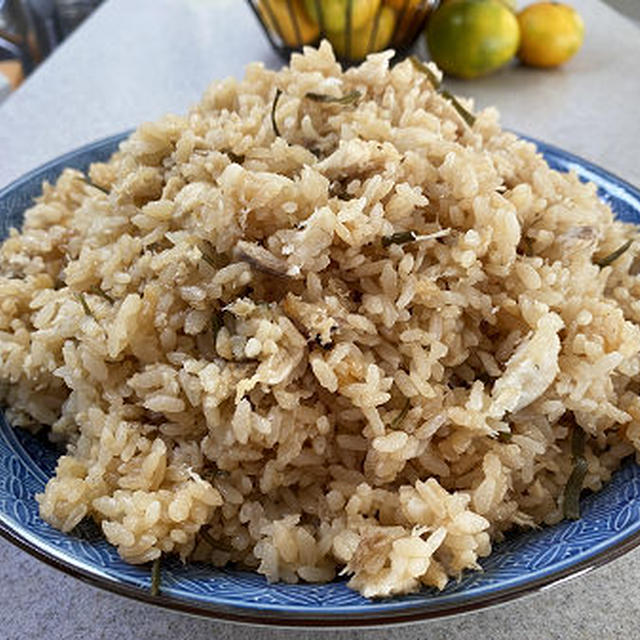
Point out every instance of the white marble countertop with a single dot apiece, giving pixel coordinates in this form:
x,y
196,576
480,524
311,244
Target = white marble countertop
x,y
135,60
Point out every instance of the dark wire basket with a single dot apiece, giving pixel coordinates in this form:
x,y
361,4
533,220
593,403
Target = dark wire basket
x,y
355,28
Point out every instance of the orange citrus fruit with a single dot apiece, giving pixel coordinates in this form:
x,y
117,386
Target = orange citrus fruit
x,y
551,33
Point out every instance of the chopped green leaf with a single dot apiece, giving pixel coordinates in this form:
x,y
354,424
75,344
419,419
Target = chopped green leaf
x,y
505,436
464,113
399,419
577,442
423,68
95,186
573,488
612,257
401,237
83,301
467,116
156,576
274,106
350,98
99,292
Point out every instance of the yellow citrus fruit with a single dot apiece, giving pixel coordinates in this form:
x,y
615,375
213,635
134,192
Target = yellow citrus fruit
x,y
551,33
334,13
361,43
470,38
295,34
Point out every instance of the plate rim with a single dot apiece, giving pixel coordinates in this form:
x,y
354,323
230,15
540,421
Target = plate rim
x,y
233,612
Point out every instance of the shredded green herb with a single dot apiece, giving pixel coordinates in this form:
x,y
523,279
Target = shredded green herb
x,y
399,419
467,116
402,237
577,442
83,301
274,106
505,436
99,292
95,186
612,257
156,576
573,488
350,98
422,67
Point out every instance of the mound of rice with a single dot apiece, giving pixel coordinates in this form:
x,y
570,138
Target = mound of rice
x,y
248,366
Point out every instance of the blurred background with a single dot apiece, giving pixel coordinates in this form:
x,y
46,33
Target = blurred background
x,y
31,29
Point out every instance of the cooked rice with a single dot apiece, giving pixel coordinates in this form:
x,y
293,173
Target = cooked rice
x,y
217,332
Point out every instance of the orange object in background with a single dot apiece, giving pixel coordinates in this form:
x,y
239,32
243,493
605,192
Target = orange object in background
x,y
355,27
550,34
289,20
372,36
12,70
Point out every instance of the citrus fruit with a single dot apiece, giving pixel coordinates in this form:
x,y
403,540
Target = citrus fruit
x,y
296,29
470,38
361,39
335,13
512,4
551,33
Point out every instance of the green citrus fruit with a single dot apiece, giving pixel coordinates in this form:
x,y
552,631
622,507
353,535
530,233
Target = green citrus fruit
x,y
471,38
512,4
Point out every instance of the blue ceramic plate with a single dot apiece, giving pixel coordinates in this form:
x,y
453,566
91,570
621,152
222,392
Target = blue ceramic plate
x,y
609,526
